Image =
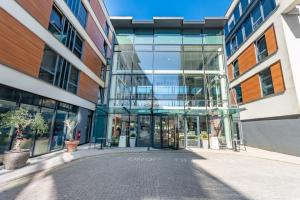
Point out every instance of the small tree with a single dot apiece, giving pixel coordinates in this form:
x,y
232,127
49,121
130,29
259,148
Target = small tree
x,y
20,119
71,125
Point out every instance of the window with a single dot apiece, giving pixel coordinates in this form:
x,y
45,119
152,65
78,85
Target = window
x,y
73,80
257,17
56,23
82,15
231,23
236,71
244,4
234,45
103,72
261,47
268,6
106,29
238,93
64,31
248,27
48,66
266,82
57,71
78,46
240,37
78,9
167,36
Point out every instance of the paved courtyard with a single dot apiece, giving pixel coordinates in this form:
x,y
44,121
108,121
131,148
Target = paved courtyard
x,y
161,175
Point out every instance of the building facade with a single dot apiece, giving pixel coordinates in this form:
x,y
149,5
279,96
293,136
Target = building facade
x,y
262,46
53,60
168,84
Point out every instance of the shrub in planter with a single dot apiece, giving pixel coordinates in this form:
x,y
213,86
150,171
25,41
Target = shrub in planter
x,y
71,143
20,119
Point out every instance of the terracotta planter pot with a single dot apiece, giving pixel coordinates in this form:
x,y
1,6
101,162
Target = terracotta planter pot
x,y
15,159
72,145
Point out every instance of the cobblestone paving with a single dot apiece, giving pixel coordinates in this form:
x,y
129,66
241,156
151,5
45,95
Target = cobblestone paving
x,y
157,175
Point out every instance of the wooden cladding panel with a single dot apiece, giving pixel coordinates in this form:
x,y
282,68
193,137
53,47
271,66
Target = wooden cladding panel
x,y
91,59
19,47
251,89
99,13
277,77
271,40
247,59
230,72
94,33
39,9
88,88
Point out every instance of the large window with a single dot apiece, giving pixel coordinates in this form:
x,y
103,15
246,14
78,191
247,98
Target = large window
x,y
261,47
11,98
266,82
65,32
78,10
57,71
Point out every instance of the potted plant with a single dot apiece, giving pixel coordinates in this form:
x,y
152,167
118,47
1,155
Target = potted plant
x,y
132,140
70,142
20,119
204,139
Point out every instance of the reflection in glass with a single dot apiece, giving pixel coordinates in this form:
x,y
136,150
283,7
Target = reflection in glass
x,y
42,140
192,61
169,87
211,61
59,130
195,90
167,36
167,61
5,133
144,131
142,61
192,36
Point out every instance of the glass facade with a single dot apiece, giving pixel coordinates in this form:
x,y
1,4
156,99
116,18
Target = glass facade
x,y
168,86
54,113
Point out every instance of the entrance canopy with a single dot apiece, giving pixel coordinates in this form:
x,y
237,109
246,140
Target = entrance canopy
x,y
159,111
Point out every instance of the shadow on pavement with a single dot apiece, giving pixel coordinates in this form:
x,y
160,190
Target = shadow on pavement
x,y
132,176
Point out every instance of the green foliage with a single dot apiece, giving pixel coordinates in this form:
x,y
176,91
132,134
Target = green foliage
x,y
19,119
39,124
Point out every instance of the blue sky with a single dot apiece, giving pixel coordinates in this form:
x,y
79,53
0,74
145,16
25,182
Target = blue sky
x,y
146,9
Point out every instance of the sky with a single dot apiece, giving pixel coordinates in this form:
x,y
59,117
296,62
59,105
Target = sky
x,y
147,9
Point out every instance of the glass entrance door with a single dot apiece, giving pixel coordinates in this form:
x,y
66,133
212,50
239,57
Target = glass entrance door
x,y
164,135
144,131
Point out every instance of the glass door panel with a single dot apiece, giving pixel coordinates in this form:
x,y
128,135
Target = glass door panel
x,y
172,131
144,131
157,132
59,130
42,140
193,127
165,131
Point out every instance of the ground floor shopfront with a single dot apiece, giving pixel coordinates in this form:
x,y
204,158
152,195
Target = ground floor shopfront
x,y
54,113
172,130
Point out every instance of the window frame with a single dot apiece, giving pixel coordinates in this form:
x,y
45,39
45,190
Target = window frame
x,y
260,55
261,79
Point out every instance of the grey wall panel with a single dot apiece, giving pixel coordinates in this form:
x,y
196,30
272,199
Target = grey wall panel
x,y
278,135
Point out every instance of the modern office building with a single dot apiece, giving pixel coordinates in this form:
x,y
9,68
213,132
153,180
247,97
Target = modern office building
x,y
53,60
263,45
168,83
